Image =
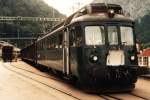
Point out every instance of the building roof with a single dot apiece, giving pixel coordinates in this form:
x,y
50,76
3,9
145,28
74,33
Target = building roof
x,y
145,53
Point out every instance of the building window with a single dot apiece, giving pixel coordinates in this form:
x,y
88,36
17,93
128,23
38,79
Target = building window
x,y
145,61
140,60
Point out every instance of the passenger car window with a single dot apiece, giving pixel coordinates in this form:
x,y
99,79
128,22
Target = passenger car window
x,y
126,35
94,35
112,35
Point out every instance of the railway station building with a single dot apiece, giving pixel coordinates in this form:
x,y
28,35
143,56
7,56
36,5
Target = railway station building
x,y
144,58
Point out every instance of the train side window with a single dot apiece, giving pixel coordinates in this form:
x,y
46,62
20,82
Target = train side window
x,y
112,35
72,38
46,43
45,46
79,38
126,35
56,42
52,42
94,35
40,45
60,39
49,42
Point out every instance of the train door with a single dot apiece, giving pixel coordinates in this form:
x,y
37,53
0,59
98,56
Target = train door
x,y
121,45
66,65
114,47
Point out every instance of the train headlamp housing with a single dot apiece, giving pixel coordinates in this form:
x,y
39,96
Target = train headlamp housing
x,y
111,13
94,58
132,58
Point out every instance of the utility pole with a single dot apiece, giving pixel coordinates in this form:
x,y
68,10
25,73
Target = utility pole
x,y
76,6
18,33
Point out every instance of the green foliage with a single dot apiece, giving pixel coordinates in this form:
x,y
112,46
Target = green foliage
x,y
25,8
32,8
143,30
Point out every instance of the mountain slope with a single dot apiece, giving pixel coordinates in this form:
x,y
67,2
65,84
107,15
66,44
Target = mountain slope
x,y
26,8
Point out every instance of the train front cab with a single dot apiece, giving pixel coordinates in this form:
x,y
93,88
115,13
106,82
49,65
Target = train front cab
x,y
107,54
7,53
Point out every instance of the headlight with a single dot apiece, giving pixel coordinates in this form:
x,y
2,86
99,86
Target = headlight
x,y
111,13
132,58
93,58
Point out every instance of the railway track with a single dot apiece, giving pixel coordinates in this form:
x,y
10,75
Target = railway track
x,y
45,76
104,96
145,77
34,73
110,97
114,97
139,96
50,75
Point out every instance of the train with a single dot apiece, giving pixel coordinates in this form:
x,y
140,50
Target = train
x,y
96,45
8,52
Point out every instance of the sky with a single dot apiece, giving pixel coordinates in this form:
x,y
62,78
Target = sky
x,y
67,7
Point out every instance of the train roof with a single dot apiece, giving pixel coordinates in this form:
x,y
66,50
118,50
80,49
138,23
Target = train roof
x,y
93,12
100,11
101,17
3,43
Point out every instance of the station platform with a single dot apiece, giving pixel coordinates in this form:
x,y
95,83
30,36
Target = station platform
x,y
17,87
21,81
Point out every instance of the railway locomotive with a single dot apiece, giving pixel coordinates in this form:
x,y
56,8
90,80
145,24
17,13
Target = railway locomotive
x,y
96,45
7,53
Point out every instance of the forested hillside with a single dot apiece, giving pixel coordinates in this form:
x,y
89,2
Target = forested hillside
x,y
143,30
25,8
